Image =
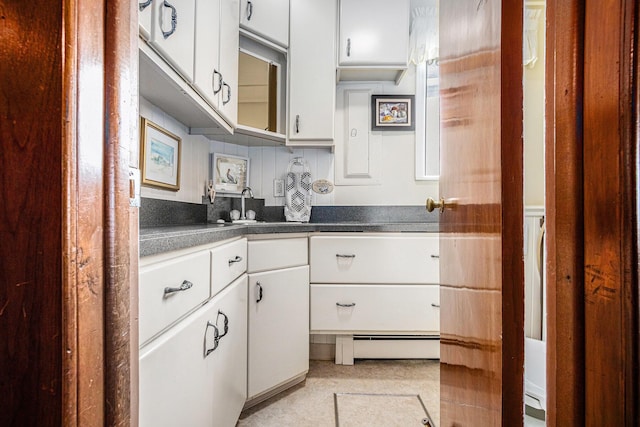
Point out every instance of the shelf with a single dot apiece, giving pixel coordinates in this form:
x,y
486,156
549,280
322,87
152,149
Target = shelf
x,y
370,74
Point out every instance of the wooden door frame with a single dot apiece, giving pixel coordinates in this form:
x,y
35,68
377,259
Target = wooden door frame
x,y
591,185
99,283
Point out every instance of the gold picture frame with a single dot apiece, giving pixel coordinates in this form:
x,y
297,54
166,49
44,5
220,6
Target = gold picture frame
x,y
160,152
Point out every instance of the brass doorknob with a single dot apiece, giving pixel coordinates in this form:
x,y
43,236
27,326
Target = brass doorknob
x,y
432,204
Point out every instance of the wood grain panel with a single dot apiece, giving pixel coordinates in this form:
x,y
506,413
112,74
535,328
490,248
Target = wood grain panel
x,y
121,99
564,213
482,273
610,221
30,213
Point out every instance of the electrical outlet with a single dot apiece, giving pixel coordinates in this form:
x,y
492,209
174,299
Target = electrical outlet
x,y
278,188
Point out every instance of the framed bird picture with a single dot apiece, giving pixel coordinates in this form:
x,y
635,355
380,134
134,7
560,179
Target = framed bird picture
x,y
230,174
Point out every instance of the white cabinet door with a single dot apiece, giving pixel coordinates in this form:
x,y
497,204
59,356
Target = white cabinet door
x,y
230,358
229,42
374,32
176,385
278,328
312,70
207,78
267,18
195,374
144,18
172,33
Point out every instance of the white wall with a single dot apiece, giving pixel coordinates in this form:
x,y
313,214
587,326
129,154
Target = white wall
x,y
397,185
534,125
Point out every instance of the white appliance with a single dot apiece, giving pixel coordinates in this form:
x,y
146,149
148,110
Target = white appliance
x,y
535,345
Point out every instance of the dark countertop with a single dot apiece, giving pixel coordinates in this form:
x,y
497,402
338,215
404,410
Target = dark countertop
x,y
156,240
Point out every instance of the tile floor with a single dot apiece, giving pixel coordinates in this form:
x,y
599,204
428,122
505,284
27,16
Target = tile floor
x,y
311,403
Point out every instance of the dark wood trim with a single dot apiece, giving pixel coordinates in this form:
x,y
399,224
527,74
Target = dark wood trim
x,y
121,113
31,256
610,222
83,199
564,216
512,146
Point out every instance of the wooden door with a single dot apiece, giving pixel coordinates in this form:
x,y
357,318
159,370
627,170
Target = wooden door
x,y
481,247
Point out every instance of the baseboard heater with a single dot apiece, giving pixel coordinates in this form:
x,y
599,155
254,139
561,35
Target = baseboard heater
x,y
396,347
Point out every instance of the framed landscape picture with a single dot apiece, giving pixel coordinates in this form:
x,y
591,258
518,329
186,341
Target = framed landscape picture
x,y
160,156
392,112
230,174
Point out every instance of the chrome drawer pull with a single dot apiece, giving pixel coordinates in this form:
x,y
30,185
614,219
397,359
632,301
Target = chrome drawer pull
x,y
345,256
435,256
259,292
174,20
435,305
226,323
170,291
353,304
216,339
236,259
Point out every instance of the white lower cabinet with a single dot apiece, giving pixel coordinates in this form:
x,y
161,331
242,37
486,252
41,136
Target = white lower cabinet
x,y
195,373
278,328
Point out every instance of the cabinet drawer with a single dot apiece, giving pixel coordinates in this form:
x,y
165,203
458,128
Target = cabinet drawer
x,y
159,309
375,308
277,253
374,259
228,262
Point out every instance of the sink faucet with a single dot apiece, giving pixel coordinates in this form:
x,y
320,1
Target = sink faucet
x,y
243,214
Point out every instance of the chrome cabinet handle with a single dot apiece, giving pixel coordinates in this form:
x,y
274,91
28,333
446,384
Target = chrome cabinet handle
x,y
249,10
345,255
435,305
259,292
183,287
226,323
236,259
174,19
216,339
353,304
348,47
213,81
228,93
142,6
435,256
297,123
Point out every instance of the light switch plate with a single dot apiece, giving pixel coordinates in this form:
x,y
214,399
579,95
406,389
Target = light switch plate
x,y
278,188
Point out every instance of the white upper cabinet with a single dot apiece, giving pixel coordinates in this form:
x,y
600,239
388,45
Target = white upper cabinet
x,y
172,33
144,18
373,40
207,74
229,42
216,55
268,19
312,68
